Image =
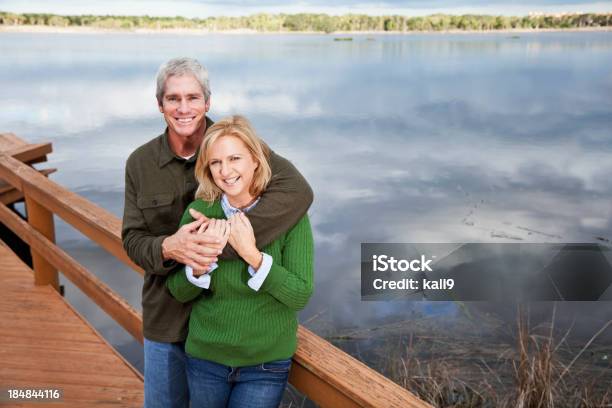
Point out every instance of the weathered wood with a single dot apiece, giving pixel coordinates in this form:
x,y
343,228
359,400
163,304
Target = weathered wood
x,y
10,141
95,222
88,396
41,220
10,170
89,372
29,152
71,361
9,194
93,349
31,333
19,325
332,378
52,338
316,389
70,377
94,288
40,159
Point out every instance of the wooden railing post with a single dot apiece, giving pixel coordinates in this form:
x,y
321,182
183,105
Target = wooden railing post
x,y
41,219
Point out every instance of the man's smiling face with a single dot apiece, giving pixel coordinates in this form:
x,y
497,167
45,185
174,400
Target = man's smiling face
x,y
184,107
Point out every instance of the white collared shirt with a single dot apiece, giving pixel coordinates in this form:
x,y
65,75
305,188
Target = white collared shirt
x,y
257,276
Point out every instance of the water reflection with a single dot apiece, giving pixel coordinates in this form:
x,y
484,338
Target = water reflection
x,y
421,138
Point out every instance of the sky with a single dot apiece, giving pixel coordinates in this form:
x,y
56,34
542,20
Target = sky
x,y
206,8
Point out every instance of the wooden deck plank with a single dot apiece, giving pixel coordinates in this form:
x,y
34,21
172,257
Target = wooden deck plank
x,y
69,378
60,357
87,396
62,342
87,392
45,343
34,336
26,325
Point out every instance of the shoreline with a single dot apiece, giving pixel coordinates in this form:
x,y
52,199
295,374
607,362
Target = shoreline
x,y
246,31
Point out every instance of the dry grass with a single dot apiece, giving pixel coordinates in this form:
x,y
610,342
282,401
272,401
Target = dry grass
x,y
535,370
529,374
540,374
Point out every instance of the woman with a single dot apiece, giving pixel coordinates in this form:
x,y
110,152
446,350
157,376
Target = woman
x,y
243,324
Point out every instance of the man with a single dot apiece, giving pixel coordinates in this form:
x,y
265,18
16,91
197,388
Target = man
x,y
159,184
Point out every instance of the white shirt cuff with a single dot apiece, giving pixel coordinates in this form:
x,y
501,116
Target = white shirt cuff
x,y
202,281
259,276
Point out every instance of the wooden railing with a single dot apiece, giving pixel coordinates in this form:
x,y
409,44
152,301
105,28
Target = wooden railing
x,y
321,371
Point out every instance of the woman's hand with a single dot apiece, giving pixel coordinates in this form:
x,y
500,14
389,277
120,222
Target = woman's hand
x,y
217,229
242,239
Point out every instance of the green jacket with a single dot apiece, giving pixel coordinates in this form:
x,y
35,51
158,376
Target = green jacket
x,y
234,325
158,187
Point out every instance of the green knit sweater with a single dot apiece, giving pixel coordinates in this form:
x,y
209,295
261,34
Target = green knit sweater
x,y
234,325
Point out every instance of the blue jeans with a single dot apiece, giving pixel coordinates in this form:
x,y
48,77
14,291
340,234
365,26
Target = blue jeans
x,y
165,376
213,385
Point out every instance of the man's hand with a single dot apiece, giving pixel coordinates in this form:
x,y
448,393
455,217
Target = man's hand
x,y
188,247
242,239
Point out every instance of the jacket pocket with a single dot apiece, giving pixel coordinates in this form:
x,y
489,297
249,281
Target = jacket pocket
x,y
158,211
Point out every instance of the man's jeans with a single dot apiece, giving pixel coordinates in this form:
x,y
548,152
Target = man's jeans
x,y
213,385
165,376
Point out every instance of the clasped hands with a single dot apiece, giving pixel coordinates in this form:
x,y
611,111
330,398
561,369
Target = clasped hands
x,y
198,243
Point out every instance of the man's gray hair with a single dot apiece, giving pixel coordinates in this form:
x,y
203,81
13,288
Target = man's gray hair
x,y
179,67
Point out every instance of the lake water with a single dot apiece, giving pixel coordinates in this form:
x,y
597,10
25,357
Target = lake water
x,y
416,138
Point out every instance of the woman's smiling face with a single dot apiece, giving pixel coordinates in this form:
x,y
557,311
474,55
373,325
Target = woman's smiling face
x,y
232,167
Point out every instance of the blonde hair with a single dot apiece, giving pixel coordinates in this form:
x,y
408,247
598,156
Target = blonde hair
x,y
237,126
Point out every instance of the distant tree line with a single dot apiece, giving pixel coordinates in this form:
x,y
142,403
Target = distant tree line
x,y
316,22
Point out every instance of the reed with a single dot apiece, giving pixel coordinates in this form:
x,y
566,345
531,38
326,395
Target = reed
x,y
538,370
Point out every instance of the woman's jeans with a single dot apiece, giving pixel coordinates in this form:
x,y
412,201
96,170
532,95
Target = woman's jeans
x,y
214,385
165,376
